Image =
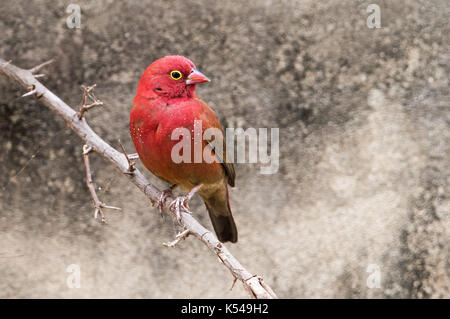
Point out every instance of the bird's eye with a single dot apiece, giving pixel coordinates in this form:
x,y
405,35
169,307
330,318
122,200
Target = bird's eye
x,y
176,75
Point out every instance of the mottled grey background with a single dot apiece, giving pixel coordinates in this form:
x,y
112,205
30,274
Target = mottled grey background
x,y
364,158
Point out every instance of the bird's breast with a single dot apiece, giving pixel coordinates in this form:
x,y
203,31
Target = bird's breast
x,y
151,129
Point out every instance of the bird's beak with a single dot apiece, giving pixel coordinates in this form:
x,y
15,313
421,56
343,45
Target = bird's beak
x,y
196,77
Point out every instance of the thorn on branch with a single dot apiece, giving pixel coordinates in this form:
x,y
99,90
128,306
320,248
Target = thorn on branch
x,y
234,283
40,66
31,90
131,163
98,205
179,237
87,149
87,93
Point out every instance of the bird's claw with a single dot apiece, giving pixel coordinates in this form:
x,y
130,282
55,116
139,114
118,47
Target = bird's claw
x,y
178,205
181,203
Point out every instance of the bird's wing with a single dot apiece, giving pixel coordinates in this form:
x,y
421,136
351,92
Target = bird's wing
x,y
209,119
228,167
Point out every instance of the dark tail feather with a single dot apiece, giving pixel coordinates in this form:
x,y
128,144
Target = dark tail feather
x,y
222,219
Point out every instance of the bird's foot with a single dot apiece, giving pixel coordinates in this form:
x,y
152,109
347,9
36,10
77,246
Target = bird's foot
x,y
162,198
181,204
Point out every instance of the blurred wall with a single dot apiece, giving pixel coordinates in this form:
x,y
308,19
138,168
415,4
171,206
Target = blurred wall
x,y
364,174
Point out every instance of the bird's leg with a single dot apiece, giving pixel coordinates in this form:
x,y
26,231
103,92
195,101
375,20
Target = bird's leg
x,y
162,198
181,203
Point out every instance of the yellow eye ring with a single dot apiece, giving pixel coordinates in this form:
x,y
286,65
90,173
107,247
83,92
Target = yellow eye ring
x,y
176,75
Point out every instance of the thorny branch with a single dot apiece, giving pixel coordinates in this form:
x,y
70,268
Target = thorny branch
x,y
253,284
98,205
179,237
88,93
131,163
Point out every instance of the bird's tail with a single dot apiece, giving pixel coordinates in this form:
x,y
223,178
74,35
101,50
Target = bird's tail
x,y
218,207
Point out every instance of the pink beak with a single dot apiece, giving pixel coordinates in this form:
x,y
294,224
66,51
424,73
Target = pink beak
x,y
196,77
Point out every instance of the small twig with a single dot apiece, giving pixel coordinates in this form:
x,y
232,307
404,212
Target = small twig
x,y
40,66
87,93
179,237
131,163
98,205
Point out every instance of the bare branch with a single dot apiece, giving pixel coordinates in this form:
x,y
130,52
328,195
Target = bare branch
x,y
98,205
179,237
253,284
87,93
131,164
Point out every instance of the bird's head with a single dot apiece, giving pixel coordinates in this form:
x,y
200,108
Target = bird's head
x,y
171,76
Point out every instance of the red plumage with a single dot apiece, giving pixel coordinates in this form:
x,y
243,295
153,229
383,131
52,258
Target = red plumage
x,y
164,102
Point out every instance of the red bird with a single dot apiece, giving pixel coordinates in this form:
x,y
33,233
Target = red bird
x,y
166,100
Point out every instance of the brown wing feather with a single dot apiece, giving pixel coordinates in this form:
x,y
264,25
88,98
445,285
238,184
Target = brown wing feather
x,y
228,167
210,119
